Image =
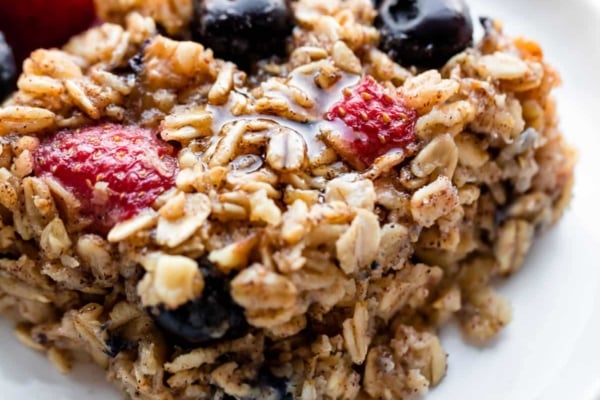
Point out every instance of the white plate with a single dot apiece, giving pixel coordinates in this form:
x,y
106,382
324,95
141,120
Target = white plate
x,y
551,350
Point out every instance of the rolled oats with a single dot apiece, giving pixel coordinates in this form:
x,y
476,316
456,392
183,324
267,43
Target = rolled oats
x,y
440,154
274,265
286,151
356,334
23,119
345,58
514,240
172,232
358,246
433,201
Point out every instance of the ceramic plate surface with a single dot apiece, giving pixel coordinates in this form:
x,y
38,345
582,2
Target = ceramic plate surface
x,y
551,349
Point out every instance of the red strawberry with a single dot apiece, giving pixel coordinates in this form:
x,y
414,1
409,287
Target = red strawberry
x,y
374,122
33,24
115,171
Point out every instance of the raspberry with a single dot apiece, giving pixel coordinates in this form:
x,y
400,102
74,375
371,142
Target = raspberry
x,y
114,171
32,24
377,120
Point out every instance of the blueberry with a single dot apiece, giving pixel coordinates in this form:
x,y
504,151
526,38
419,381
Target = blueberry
x,y
116,344
424,33
211,317
8,69
272,387
243,30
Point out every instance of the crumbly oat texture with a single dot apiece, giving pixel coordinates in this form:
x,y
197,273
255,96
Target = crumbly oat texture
x,y
275,268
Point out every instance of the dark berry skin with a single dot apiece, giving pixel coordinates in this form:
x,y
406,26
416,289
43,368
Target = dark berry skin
x,y
211,317
8,69
116,344
272,387
424,33
243,31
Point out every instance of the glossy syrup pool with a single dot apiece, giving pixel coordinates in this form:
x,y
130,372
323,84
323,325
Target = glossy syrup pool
x,y
310,130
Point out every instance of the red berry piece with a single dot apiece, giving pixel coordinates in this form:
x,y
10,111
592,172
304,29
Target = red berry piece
x,y
114,171
33,24
375,122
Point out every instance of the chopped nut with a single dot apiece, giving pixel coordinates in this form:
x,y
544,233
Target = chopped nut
x,y
355,192
286,150
295,222
233,256
264,209
172,280
257,288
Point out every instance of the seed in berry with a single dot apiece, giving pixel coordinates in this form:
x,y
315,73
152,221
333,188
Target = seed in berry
x,y
113,171
243,30
424,33
369,122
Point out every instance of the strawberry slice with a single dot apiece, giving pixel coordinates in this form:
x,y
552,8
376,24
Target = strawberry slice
x,y
373,122
114,171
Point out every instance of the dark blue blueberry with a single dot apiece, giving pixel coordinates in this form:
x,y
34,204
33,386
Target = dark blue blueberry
x,y
211,317
243,30
8,69
424,33
116,344
273,387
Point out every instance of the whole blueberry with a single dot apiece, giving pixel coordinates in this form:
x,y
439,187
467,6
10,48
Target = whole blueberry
x,y
211,317
8,69
243,30
424,33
